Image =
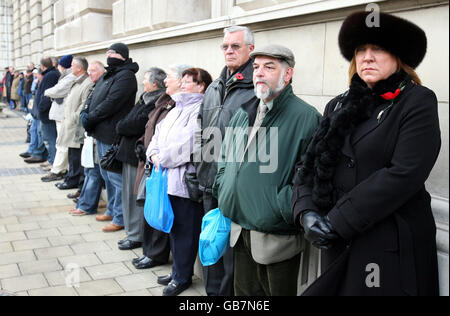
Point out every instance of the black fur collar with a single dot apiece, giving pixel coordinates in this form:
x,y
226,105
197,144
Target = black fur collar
x,y
323,152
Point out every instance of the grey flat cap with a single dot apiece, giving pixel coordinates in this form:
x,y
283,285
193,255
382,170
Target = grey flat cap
x,y
276,51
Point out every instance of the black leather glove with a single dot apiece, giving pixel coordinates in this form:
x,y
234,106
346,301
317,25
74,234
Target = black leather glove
x,y
318,229
140,152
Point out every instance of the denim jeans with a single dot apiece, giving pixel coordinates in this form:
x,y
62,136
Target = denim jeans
x,y
113,183
49,138
92,188
38,150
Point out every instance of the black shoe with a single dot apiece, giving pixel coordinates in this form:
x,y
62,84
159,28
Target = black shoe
x,y
174,288
136,260
129,245
52,177
74,195
65,186
25,155
34,160
165,280
147,263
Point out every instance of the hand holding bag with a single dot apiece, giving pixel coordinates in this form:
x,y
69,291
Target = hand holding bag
x,y
214,238
158,211
140,197
109,162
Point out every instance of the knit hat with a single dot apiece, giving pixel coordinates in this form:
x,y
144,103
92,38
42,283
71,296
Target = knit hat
x,y
121,49
66,61
396,35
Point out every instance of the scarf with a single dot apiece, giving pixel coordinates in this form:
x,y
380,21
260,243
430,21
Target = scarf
x,y
324,151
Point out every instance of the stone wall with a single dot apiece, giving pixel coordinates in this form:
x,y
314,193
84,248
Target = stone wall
x,y
161,33
6,33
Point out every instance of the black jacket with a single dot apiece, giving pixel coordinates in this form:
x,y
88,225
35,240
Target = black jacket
x,y
41,102
112,99
222,99
383,213
132,127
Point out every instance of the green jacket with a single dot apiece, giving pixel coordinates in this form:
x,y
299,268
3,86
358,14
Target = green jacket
x,y
255,192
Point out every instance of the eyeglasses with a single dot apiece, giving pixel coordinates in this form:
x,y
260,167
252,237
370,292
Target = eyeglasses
x,y
234,47
110,52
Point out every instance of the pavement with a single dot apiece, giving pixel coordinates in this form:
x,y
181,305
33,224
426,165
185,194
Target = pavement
x,y
44,251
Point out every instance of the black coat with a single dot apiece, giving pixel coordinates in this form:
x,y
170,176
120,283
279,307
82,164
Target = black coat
x,y
112,99
383,213
41,102
132,127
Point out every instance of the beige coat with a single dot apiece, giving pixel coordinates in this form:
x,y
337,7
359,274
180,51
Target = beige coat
x,y
72,133
15,88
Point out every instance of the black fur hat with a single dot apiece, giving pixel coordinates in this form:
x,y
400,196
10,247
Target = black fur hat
x,y
398,36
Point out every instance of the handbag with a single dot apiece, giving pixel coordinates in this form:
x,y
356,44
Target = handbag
x,y
192,184
109,162
158,210
141,192
214,238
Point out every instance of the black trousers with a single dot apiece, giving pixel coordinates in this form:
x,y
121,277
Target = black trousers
x,y
75,176
184,237
218,278
155,243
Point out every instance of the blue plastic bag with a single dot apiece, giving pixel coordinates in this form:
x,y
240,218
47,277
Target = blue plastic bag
x,y
157,209
214,238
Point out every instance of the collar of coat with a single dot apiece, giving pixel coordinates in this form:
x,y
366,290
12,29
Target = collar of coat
x,y
251,106
246,70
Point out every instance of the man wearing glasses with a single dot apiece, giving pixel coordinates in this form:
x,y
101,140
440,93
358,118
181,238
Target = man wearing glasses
x,y
224,96
112,99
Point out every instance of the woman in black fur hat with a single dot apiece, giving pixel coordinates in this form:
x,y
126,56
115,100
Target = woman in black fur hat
x,y
359,193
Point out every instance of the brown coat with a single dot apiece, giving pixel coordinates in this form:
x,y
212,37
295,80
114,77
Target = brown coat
x,y
162,107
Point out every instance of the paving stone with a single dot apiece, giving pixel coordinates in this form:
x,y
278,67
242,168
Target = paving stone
x,y
61,222
116,256
39,266
90,247
99,288
135,293
5,247
53,252
80,260
12,236
54,291
108,271
66,240
59,277
75,230
30,244
41,233
17,257
24,283
137,281
22,227
9,271
9,220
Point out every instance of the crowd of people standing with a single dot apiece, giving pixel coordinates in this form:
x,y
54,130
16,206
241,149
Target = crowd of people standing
x,y
319,187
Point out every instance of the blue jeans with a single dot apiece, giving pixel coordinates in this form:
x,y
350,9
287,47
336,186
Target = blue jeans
x,y
113,183
39,150
49,137
28,97
92,188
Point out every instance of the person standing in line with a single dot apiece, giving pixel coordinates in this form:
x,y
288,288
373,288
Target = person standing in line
x,y
89,195
156,244
113,98
359,192
58,94
224,96
254,188
131,128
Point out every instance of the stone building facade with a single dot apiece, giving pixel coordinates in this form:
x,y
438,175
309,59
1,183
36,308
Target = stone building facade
x,y
161,33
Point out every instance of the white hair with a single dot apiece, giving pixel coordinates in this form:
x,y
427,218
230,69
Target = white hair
x,y
249,38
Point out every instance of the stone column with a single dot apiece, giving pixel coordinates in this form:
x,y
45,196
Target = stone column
x,y
25,38
48,26
6,34
17,43
82,22
36,30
